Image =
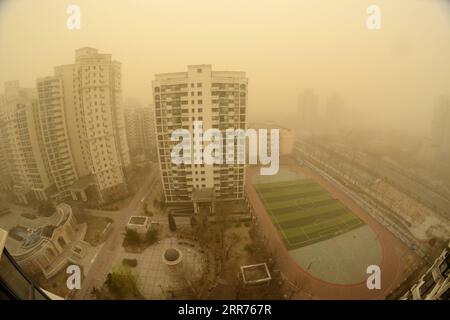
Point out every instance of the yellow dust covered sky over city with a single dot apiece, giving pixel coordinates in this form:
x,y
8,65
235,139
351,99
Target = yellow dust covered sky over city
x,y
389,77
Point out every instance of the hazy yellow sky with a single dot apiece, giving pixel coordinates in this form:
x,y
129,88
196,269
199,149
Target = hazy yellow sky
x,y
389,77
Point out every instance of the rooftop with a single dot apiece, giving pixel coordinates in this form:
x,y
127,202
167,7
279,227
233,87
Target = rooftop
x,y
255,273
138,220
203,194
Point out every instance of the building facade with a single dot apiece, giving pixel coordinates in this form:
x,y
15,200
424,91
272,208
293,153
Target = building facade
x,y
434,284
308,110
286,137
53,122
219,100
141,132
23,168
15,284
335,112
47,248
80,111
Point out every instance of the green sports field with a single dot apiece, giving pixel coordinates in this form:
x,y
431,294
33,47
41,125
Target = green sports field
x,y
304,212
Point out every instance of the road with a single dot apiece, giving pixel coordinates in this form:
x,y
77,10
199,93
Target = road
x,y
411,187
103,262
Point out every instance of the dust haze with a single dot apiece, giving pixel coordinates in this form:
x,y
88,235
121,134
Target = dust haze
x,y
388,78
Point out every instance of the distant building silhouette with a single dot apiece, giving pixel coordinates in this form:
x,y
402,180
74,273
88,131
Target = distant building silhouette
x,y
335,111
141,134
308,104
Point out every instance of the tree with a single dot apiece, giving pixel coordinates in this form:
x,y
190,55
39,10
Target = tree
x,y
122,282
131,237
172,224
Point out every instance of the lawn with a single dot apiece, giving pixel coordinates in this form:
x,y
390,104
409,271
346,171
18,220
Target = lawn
x,y
304,212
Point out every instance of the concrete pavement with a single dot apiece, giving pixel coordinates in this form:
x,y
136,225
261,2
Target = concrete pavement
x,y
103,262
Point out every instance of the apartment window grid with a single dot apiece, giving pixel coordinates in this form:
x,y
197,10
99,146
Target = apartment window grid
x,y
171,103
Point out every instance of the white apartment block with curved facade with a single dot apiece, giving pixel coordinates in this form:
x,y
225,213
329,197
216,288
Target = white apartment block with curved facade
x,y
88,145
219,100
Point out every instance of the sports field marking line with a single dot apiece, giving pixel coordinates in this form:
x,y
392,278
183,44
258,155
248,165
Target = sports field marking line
x,y
273,218
296,244
295,203
303,231
284,234
298,195
321,237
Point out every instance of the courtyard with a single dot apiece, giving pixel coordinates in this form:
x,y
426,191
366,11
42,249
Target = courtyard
x,y
157,280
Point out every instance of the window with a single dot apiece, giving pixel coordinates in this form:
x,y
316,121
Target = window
x,y
199,85
19,284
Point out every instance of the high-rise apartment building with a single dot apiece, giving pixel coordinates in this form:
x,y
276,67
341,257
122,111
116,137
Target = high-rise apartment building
x,y
308,108
23,167
219,100
83,127
53,122
335,112
140,127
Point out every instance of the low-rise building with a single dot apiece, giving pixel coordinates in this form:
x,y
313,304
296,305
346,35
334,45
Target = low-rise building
x,y
49,247
140,224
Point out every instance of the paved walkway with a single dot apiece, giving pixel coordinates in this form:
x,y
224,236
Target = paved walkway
x,y
155,281
342,259
103,262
